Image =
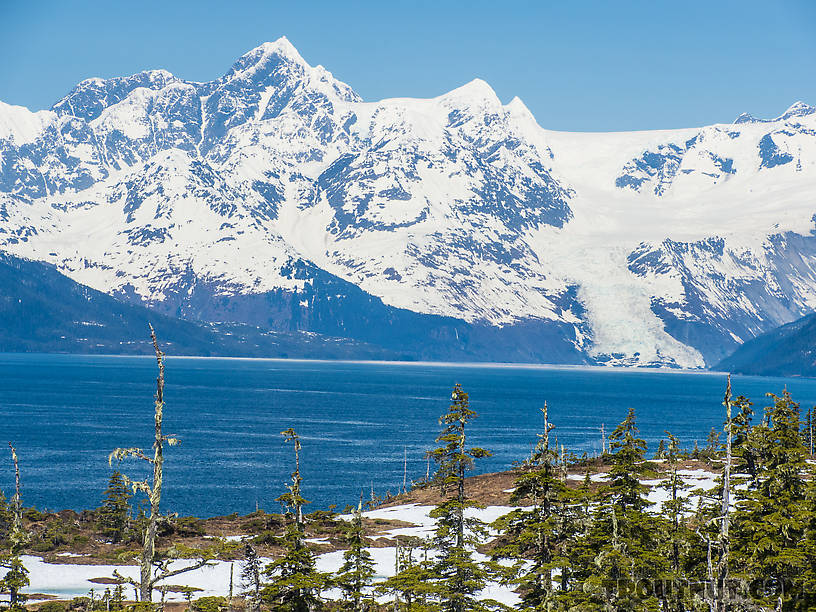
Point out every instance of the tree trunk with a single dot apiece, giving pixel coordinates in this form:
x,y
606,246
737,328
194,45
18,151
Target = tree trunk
x,y
460,528
229,597
17,525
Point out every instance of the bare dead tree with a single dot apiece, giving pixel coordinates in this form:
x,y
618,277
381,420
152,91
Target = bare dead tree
x,y
297,500
404,469
17,503
17,577
153,570
548,427
710,591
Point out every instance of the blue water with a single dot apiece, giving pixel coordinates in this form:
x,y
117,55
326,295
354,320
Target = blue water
x,y
65,413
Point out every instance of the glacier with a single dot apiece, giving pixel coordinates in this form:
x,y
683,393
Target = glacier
x,y
454,226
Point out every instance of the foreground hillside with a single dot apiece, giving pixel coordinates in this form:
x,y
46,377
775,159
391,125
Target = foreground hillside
x,y
274,196
68,555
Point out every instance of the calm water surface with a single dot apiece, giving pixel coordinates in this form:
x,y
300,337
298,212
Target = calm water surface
x,y
65,413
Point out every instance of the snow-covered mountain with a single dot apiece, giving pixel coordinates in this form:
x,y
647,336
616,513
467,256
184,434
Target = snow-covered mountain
x,y
456,225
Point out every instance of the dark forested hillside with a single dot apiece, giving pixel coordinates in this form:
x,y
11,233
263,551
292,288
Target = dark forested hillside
x,y
42,310
789,350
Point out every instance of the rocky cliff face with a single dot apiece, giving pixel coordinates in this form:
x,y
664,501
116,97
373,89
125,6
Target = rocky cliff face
x,y
456,225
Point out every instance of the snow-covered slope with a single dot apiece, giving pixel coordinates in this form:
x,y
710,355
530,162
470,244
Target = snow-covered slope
x,y
274,194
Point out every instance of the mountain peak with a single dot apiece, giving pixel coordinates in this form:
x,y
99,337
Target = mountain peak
x,y
20,124
279,51
91,96
473,92
518,108
745,118
798,109
281,46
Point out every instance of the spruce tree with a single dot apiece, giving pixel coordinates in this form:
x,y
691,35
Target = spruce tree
x,y
628,466
15,580
114,515
459,576
624,536
676,536
295,584
412,584
661,450
535,538
808,578
251,578
710,560
742,446
355,575
774,516
578,550
5,518
712,447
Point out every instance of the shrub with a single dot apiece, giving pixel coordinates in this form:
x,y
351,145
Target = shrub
x,y
210,604
79,603
267,537
34,515
189,527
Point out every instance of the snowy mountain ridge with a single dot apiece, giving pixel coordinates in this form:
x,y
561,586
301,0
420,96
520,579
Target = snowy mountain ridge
x,y
273,194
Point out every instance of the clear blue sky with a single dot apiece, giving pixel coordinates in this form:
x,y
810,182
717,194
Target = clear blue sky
x,y
577,64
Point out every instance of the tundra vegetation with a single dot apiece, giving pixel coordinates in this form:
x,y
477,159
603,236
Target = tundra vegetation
x,y
580,533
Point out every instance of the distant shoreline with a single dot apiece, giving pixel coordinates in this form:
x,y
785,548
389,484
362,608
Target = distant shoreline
x,y
407,362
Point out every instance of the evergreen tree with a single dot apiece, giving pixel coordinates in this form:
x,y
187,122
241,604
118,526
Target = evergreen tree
x,y
661,450
535,538
295,584
808,578
15,580
677,535
358,566
412,584
807,430
114,515
624,537
743,448
712,447
251,578
6,519
578,550
118,597
459,576
774,516
628,466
